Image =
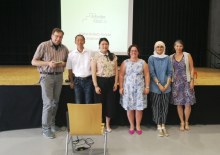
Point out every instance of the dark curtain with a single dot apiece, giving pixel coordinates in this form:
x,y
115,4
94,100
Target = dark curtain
x,y
168,20
26,23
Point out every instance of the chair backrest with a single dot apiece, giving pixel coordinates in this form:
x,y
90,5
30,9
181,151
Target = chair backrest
x,y
85,119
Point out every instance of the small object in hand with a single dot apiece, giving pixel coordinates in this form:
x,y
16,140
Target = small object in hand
x,y
67,80
58,62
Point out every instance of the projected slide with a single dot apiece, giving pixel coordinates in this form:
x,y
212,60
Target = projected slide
x,y
96,19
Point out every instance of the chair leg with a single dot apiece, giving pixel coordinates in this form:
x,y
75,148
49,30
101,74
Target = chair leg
x,y
105,143
67,142
71,141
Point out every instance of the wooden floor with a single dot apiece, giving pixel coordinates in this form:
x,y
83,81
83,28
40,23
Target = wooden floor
x,y
207,76
20,75
28,75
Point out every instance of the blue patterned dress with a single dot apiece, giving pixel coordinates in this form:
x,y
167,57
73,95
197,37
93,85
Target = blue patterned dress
x,y
181,92
134,84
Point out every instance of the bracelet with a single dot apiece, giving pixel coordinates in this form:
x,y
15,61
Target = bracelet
x,y
158,83
147,87
192,78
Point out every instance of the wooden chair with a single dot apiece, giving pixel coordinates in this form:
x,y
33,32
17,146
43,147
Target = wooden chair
x,y
85,119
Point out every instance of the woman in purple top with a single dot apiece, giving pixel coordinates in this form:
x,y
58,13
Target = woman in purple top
x,y
183,94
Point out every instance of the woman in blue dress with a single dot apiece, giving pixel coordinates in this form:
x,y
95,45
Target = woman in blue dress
x,y
134,87
183,94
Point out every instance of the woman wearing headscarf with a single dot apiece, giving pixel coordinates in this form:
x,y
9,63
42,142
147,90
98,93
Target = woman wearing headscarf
x,y
160,73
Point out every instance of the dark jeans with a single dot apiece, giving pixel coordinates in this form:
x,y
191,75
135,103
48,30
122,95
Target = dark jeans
x,y
84,90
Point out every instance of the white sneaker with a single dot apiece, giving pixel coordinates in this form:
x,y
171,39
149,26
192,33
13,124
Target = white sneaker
x,y
55,129
48,134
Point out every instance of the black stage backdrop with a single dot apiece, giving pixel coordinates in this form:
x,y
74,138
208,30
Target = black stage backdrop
x,y
21,107
26,23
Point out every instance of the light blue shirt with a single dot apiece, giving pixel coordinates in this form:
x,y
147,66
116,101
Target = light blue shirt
x,y
160,68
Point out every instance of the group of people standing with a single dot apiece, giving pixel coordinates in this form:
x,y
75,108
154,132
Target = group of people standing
x,y
172,81
167,79
95,77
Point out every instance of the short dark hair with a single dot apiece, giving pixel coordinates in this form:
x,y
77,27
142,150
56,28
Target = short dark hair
x,y
80,35
57,30
133,45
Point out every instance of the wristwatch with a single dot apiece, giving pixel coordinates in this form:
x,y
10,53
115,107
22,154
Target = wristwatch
x,y
158,83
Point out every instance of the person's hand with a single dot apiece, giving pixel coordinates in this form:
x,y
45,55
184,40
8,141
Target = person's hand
x,y
52,64
115,87
71,85
121,91
192,85
146,91
97,90
161,87
166,87
60,64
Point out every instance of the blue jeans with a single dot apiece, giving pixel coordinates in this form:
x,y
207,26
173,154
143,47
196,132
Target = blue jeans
x,y
84,90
